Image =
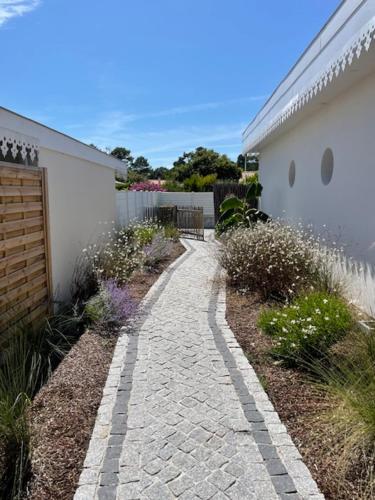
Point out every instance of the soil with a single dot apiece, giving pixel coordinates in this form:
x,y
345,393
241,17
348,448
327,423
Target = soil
x,y
63,413
297,399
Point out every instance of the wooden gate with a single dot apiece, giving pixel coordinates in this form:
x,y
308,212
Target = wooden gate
x,y
24,265
190,222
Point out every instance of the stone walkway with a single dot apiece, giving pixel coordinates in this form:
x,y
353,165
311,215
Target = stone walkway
x,y
183,414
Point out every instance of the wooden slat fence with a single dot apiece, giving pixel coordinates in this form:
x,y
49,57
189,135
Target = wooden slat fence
x,y
223,190
188,220
24,265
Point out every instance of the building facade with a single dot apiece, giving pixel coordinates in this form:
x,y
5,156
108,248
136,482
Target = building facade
x,y
78,204
315,134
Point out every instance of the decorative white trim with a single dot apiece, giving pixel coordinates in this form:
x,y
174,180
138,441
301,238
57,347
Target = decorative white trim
x,y
353,49
15,143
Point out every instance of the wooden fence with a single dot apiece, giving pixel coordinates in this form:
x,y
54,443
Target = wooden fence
x,y
24,264
222,191
188,220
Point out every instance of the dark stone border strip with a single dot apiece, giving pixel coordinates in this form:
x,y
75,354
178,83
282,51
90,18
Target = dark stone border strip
x,y
108,479
281,480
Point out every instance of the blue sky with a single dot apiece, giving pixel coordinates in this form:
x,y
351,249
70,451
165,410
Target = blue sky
x,y
157,76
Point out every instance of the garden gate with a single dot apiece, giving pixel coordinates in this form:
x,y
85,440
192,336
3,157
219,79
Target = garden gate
x,y
188,220
24,263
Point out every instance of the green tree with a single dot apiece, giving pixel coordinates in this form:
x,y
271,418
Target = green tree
x,y
248,162
141,166
205,162
161,173
123,154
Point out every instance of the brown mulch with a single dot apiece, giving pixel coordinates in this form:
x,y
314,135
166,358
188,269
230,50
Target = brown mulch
x,y
297,400
63,413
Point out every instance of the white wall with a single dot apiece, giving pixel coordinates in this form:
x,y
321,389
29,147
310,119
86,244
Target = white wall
x,y
81,207
347,204
130,204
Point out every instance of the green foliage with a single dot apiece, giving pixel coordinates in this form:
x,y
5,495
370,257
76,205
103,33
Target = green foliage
x,y
205,162
348,376
248,162
235,212
198,183
308,327
142,167
98,307
161,173
28,357
122,154
271,258
171,232
144,233
173,186
250,179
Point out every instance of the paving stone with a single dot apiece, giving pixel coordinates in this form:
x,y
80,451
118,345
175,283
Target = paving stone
x,y
158,491
200,435
221,480
205,490
275,467
107,493
234,469
283,484
181,484
183,414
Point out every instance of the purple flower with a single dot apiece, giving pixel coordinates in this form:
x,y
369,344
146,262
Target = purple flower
x,y
121,304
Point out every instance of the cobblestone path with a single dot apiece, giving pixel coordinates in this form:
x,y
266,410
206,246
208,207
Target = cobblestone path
x,y
183,414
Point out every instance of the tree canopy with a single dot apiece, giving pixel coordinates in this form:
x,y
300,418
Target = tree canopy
x,y
205,162
122,154
248,162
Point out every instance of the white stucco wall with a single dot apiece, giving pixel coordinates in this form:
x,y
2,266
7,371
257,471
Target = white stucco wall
x,y
131,205
347,204
81,199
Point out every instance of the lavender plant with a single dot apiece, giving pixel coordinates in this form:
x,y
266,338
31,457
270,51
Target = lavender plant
x,y
111,306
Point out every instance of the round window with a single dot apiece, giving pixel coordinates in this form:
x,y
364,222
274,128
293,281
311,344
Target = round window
x,y
327,166
292,174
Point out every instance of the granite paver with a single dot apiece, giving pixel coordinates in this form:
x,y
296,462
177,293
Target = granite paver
x,y
183,414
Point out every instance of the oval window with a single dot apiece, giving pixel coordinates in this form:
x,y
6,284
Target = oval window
x,y
327,166
292,174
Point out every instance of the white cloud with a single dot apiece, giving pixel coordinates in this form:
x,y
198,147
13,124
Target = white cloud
x,y
15,8
163,146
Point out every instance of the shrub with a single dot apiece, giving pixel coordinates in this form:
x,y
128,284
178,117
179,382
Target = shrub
x,y
159,249
272,258
236,212
111,306
171,232
308,327
116,257
147,186
145,231
199,183
173,186
28,357
349,379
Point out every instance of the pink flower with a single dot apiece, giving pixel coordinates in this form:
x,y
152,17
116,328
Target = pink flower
x,y
146,186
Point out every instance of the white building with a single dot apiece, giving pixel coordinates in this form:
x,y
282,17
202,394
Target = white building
x,y
56,194
316,133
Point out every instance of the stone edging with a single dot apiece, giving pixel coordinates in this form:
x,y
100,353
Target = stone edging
x,y
126,344
280,439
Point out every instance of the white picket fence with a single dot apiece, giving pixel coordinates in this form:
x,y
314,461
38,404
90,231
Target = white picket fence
x,y
131,205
